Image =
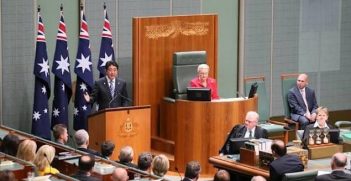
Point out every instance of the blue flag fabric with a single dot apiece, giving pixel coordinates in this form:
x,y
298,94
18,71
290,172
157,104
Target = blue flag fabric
x,y
85,82
61,70
106,48
40,119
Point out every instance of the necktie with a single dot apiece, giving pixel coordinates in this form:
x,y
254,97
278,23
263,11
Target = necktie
x,y
112,88
303,93
250,134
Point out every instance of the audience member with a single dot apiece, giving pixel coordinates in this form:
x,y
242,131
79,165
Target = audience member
x,y
160,165
283,163
338,163
202,80
119,174
192,171
107,148
321,123
86,164
26,150
144,161
7,175
126,155
43,160
60,133
248,130
302,102
258,178
81,138
9,144
221,175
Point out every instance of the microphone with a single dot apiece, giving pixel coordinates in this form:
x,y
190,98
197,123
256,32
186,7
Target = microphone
x,y
240,95
119,94
48,161
176,169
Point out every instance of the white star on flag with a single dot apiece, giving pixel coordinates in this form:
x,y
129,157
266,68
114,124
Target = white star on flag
x,y
83,87
63,87
44,67
45,110
84,107
36,116
43,90
76,111
84,63
56,112
63,65
105,59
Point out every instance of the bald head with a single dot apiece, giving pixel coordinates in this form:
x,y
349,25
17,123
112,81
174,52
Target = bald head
x,y
338,161
278,148
258,178
119,174
222,175
302,81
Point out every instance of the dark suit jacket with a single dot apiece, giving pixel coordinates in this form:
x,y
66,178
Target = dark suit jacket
x,y
306,133
91,152
297,105
80,175
101,94
335,175
239,132
284,164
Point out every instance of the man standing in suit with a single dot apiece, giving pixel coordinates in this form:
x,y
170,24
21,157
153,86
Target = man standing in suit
x,y
109,91
302,102
338,163
283,163
248,130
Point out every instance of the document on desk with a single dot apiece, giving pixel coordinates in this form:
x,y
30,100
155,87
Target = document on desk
x,y
323,172
229,99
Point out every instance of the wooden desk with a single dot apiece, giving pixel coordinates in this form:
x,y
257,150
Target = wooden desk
x,y
19,167
199,128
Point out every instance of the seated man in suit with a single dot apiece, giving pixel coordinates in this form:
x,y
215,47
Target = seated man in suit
x,y
202,80
60,133
302,102
85,164
283,163
248,130
109,91
192,171
126,156
81,138
338,163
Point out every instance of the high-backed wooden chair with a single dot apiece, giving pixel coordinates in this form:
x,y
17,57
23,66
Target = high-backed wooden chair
x,y
264,107
288,81
301,176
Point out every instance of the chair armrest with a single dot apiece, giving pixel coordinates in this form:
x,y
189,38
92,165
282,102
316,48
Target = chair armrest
x,y
342,123
169,99
276,122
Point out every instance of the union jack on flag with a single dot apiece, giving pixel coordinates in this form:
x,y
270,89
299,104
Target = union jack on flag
x,y
84,71
106,48
40,119
61,70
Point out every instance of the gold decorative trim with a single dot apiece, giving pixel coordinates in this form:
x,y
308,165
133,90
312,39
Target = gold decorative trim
x,y
128,128
177,28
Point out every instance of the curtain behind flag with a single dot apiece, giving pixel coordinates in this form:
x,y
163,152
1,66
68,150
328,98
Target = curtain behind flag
x,y
106,48
40,119
61,70
83,69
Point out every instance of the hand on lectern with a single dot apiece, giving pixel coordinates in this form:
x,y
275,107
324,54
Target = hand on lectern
x,y
87,97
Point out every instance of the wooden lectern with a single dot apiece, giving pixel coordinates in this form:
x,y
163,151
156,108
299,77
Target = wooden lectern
x,y
123,126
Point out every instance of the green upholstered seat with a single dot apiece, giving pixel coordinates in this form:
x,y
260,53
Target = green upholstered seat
x,y
301,176
288,81
184,69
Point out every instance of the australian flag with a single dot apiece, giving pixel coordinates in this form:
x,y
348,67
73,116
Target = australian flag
x,y
40,120
85,82
61,69
106,48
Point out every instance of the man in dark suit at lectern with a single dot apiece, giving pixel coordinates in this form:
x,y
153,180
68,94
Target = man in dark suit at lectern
x,y
248,130
109,91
